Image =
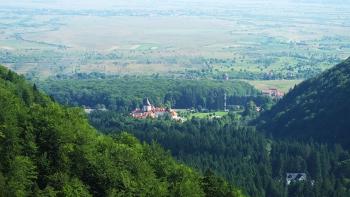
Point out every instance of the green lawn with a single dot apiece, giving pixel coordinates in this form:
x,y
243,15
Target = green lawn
x,y
206,115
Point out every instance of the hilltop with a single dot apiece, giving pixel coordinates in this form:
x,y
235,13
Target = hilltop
x,y
318,108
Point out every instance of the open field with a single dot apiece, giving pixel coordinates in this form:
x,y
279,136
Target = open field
x,y
188,114
281,85
243,39
207,115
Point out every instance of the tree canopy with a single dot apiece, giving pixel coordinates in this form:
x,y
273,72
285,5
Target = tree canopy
x,y
318,109
50,150
124,94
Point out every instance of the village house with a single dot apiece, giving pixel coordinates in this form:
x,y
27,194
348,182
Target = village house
x,y
89,110
273,92
150,111
295,177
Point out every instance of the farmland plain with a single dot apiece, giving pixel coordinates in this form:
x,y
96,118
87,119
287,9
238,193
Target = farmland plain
x,y
246,40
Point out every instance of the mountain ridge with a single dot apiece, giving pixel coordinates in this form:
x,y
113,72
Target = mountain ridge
x,y
317,109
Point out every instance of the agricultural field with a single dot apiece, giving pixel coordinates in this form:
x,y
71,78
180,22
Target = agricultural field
x,y
282,85
243,39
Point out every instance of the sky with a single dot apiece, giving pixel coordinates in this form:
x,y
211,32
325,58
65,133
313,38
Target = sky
x,y
153,4
110,4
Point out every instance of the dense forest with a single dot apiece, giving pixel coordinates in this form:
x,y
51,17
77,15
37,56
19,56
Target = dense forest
x,y
123,94
256,160
50,150
60,153
242,155
318,109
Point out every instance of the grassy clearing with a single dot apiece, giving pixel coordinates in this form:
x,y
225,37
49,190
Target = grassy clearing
x,y
188,115
207,115
282,85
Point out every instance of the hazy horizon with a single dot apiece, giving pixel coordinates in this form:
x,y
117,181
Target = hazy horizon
x,y
110,4
164,36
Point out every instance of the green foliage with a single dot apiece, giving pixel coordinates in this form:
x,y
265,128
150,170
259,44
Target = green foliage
x,y
215,186
240,154
62,154
318,109
49,150
124,94
22,175
251,110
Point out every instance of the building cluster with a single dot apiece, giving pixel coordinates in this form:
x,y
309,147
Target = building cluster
x,y
295,177
150,111
273,92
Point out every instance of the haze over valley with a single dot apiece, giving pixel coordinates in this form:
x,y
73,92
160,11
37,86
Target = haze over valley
x,y
245,39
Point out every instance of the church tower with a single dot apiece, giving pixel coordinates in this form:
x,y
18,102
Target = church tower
x,y
146,105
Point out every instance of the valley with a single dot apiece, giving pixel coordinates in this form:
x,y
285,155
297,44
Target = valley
x,y
181,98
198,41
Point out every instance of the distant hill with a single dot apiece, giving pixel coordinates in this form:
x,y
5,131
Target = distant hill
x,y
318,108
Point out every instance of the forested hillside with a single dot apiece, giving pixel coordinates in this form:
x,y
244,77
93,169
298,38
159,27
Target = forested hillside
x,y
318,109
241,154
228,146
124,94
49,150
60,153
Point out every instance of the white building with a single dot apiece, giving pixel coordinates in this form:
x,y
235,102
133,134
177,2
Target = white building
x,y
295,177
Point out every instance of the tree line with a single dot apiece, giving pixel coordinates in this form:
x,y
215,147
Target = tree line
x,y
123,94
